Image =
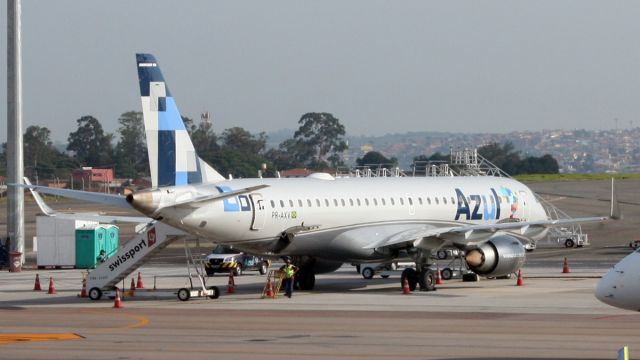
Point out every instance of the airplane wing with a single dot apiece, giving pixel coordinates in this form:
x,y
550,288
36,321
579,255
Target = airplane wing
x,y
470,234
107,199
430,237
81,216
219,196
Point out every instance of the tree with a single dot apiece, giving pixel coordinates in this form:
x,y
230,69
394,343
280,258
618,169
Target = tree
x,y
239,139
377,159
131,150
319,138
91,145
506,158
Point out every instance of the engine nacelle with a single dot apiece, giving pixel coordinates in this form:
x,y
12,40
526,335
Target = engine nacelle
x,y
501,255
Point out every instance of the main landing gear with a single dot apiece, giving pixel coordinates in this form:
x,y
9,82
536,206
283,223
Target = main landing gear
x,y
422,275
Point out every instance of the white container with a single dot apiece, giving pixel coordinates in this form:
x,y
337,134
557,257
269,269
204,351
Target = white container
x,y
57,240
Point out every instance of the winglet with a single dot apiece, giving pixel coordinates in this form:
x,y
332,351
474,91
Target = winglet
x,y
39,200
616,214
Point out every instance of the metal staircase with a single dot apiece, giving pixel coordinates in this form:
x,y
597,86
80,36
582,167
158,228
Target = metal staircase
x,y
152,238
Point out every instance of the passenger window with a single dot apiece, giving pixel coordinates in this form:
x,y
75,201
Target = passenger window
x,y
392,201
375,202
335,202
428,200
318,202
273,204
350,202
453,201
282,203
366,201
384,203
290,203
343,202
410,201
299,203
308,202
401,201
420,201
444,200
437,201
326,202
358,201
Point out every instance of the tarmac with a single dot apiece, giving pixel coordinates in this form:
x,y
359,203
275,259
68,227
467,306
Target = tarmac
x,y
553,316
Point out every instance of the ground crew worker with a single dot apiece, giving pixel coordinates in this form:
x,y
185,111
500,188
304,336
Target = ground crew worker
x,y
288,270
102,257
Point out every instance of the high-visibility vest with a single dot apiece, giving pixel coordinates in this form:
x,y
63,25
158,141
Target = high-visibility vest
x,y
288,270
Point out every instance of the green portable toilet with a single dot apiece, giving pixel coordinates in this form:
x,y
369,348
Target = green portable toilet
x,y
112,240
89,241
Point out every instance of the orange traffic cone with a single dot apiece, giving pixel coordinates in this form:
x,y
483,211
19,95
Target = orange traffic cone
x,y
36,286
139,285
565,266
118,303
520,281
52,287
132,288
438,277
269,293
405,287
231,287
83,292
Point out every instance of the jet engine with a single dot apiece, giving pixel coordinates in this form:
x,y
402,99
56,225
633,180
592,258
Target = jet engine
x,y
501,255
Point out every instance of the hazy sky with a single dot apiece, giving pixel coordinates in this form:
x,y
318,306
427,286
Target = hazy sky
x,y
379,66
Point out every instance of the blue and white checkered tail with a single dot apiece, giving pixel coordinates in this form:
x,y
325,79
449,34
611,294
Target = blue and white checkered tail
x,y
172,158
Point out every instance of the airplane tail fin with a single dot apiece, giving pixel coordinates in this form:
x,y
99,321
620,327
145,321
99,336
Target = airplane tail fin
x,y
172,157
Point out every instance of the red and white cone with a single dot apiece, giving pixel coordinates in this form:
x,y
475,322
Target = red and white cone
x,y
117,302
231,286
52,287
269,292
520,281
438,277
83,292
36,286
565,266
405,287
139,284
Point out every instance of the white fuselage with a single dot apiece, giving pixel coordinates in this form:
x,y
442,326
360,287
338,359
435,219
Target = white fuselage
x,y
620,286
341,216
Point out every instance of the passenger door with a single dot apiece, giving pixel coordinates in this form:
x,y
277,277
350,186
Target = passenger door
x,y
259,212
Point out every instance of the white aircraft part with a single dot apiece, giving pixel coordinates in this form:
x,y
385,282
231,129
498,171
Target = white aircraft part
x,y
132,255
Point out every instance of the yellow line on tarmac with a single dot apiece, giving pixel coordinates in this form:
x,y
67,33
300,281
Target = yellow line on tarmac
x,y
141,321
27,337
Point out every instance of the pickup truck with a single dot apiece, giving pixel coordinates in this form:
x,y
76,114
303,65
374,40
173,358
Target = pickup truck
x,y
224,259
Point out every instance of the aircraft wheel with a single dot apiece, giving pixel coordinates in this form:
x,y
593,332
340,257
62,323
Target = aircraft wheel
x,y
441,254
367,273
306,280
568,243
95,293
216,292
238,270
446,274
184,294
411,275
263,268
427,280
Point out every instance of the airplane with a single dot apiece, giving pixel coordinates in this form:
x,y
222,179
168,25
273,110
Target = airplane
x,y
323,221
620,286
